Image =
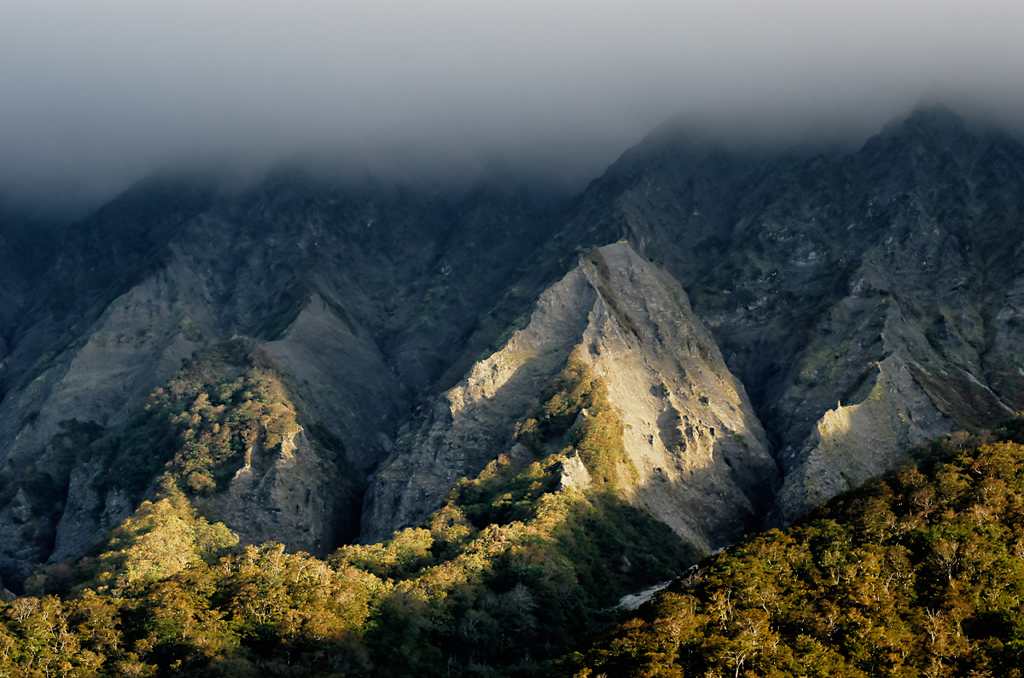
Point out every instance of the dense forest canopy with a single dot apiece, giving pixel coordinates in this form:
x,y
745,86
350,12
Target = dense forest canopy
x,y
918,574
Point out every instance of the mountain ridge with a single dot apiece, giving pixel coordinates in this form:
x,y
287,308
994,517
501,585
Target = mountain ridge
x,y
877,290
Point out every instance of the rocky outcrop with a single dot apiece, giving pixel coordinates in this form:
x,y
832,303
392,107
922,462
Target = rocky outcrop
x,y
342,379
292,495
364,295
131,349
699,455
470,424
824,276
573,475
855,442
88,514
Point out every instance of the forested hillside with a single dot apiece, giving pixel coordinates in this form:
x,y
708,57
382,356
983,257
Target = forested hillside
x,y
518,564
918,574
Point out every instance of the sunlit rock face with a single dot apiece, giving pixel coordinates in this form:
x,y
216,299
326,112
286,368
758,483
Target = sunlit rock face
x,y
867,300
853,443
699,456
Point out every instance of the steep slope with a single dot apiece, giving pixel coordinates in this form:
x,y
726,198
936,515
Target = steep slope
x,y
697,455
360,294
508,574
225,429
916,574
885,279
864,301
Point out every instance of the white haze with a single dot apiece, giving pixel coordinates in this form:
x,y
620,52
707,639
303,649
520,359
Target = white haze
x,y
97,93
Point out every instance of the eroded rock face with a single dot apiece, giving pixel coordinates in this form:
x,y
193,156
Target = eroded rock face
x,y
470,424
293,496
823,276
855,442
700,454
574,475
131,349
363,295
868,301
700,457
342,378
88,514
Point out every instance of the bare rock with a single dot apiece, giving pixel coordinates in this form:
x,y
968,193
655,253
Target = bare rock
x,y
88,514
699,453
289,495
573,475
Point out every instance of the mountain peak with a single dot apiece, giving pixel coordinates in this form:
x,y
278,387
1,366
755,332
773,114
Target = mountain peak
x,y
935,116
933,125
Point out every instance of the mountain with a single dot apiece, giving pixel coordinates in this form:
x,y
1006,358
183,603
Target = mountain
x,y
866,301
316,364
696,455
360,295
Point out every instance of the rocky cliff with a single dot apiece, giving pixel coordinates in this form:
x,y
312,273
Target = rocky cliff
x,y
360,295
699,457
867,300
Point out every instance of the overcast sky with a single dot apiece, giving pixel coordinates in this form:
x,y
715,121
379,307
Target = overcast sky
x,y
97,93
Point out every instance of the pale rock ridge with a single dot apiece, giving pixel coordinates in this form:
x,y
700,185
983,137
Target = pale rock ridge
x,y
471,423
342,377
135,345
699,455
853,443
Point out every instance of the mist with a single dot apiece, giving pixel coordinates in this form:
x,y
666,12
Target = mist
x,y
95,95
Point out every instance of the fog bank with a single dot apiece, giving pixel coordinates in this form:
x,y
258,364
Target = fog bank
x,y
95,94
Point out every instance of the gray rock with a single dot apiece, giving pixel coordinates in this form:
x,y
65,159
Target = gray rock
x,y
699,456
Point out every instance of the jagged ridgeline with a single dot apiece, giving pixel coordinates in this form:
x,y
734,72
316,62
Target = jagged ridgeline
x,y
519,562
918,574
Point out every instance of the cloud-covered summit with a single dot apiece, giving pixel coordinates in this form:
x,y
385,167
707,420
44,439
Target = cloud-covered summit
x,y
94,95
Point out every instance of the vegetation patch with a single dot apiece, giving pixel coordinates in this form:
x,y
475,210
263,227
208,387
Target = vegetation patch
x,y
576,412
919,574
203,425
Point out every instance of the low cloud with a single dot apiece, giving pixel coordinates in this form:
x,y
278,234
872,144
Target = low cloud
x,y
94,95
